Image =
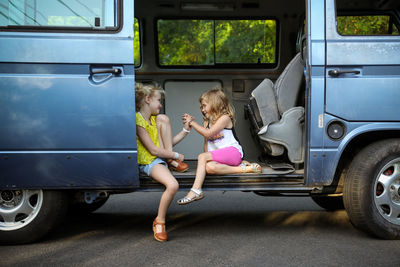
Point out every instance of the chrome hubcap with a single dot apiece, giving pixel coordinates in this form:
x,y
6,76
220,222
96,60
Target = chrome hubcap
x,y
387,192
18,208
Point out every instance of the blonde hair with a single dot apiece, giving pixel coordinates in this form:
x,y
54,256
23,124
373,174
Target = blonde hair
x,y
219,104
143,90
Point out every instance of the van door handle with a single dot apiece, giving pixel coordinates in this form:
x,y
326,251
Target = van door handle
x,y
337,72
102,74
116,71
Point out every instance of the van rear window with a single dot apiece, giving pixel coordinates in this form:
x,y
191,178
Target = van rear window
x,y
59,14
187,42
366,25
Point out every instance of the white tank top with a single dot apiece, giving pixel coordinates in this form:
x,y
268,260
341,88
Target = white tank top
x,y
224,138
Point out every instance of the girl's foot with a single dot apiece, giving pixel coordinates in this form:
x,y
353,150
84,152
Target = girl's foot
x,y
177,165
159,231
193,195
251,168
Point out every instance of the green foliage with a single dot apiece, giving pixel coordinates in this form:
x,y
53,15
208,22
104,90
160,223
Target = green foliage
x,y
136,44
209,42
185,42
395,30
191,42
245,41
365,25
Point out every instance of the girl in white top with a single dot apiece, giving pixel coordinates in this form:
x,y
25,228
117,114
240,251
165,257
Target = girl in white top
x,y
222,152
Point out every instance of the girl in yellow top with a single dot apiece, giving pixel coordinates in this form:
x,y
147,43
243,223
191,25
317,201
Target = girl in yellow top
x,y
155,142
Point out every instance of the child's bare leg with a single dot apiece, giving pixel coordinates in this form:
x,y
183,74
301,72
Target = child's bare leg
x,y
166,142
164,131
203,158
162,175
213,167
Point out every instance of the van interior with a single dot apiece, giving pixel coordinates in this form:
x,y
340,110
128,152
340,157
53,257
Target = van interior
x,y
257,52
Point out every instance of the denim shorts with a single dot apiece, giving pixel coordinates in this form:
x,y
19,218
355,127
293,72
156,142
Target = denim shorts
x,y
147,168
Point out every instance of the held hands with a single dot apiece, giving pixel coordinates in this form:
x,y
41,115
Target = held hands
x,y
186,118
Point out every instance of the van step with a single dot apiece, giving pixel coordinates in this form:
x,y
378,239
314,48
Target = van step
x,y
231,182
243,181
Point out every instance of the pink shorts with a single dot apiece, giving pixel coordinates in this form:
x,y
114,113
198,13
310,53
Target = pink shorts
x,y
228,155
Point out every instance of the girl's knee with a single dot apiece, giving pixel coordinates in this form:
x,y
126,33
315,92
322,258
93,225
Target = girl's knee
x,y
202,156
173,187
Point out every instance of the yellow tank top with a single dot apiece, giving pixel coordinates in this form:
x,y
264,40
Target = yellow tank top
x,y
144,156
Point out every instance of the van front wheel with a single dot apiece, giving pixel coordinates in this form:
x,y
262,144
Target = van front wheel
x,y
27,215
372,189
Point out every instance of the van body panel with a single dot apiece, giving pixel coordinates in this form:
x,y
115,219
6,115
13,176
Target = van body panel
x,y
333,150
38,48
354,49
370,88
316,32
315,89
65,111
68,169
67,108
364,99
350,98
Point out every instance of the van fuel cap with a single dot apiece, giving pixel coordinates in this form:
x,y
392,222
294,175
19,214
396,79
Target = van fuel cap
x,y
336,130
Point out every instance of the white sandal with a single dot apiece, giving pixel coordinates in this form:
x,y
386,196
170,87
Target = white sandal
x,y
186,200
255,168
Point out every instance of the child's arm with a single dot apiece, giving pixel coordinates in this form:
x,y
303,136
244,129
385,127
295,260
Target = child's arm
x,y
182,134
205,139
153,149
223,122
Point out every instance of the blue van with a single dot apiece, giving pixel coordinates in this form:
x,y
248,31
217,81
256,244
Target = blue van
x,y
315,97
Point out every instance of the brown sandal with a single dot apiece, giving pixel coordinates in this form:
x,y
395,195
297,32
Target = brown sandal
x,y
161,236
177,165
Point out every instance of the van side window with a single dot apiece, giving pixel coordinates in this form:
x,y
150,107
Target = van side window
x,y
367,25
136,44
53,15
183,42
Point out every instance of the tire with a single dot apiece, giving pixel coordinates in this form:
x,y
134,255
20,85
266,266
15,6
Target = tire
x,y
28,215
371,191
329,203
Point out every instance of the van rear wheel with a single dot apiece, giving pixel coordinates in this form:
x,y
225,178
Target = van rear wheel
x,y
27,215
372,189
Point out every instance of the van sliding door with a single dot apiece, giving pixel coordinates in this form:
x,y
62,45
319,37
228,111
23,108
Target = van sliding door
x,y
363,74
67,94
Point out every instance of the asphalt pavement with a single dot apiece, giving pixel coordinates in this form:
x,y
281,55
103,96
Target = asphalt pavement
x,y
223,229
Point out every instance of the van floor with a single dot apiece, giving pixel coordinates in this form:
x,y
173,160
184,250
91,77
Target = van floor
x,y
242,181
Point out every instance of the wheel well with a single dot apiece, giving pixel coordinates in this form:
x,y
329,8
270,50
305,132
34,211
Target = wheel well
x,y
355,145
